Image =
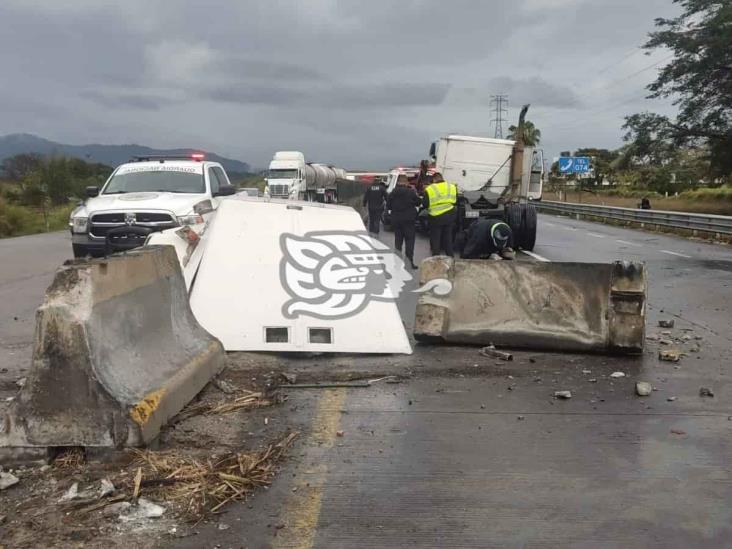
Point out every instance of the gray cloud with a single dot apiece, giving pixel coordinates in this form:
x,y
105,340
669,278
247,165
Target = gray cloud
x,y
114,100
537,91
346,81
335,97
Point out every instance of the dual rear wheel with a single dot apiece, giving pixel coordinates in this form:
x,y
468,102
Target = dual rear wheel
x,y
522,220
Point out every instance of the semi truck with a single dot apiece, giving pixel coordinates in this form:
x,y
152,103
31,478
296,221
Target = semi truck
x,y
496,178
290,177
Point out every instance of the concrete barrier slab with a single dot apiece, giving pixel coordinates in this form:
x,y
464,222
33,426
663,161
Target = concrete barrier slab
x,y
552,306
117,352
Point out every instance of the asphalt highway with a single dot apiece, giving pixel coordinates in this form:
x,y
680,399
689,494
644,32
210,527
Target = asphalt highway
x,y
488,458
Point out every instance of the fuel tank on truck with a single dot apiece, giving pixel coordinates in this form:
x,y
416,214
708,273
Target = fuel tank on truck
x,y
324,176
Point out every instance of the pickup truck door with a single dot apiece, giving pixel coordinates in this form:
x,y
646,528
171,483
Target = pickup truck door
x,y
216,178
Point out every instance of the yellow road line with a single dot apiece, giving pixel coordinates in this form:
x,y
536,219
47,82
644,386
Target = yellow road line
x,y
301,511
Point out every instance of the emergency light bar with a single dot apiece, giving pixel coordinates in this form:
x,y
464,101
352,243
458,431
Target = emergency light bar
x,y
198,157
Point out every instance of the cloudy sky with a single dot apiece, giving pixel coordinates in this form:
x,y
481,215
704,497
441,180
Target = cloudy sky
x,y
356,83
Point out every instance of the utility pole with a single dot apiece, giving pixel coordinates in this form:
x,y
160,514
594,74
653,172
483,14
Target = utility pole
x,y
500,101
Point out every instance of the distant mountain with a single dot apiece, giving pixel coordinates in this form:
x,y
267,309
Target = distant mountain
x,y
112,155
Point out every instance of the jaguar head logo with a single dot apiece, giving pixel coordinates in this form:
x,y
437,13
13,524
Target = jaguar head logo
x,y
337,274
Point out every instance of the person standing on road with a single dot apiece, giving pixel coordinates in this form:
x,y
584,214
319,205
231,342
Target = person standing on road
x,y
374,199
403,203
440,199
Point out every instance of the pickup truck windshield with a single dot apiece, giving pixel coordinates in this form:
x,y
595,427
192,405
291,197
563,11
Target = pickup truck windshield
x,y
282,174
160,181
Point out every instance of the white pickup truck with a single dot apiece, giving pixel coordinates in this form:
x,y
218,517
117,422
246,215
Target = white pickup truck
x,y
144,196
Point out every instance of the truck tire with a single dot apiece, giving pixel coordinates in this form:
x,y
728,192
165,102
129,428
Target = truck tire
x,y
514,219
528,232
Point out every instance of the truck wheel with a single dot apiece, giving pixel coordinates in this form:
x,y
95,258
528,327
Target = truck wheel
x,y
528,232
514,220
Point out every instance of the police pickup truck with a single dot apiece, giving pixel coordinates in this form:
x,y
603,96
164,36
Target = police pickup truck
x,y
149,194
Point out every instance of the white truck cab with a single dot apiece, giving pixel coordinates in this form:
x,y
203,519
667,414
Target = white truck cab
x,y
146,195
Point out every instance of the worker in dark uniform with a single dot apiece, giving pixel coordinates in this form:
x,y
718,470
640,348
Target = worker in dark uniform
x,y
374,199
440,199
488,239
403,203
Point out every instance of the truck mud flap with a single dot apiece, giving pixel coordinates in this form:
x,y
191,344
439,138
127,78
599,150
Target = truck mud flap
x,y
117,352
587,307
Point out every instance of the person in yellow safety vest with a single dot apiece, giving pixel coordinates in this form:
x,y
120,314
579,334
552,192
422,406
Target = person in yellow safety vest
x,y
440,199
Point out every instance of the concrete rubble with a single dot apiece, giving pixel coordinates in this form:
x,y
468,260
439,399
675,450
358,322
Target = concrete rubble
x,y
7,480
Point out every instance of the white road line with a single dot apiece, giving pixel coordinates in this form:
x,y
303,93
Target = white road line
x,y
630,243
596,235
537,257
675,253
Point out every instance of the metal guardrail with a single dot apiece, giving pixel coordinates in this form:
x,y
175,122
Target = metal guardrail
x,y
706,223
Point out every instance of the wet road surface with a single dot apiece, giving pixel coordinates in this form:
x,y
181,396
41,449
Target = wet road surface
x,y
487,458
491,459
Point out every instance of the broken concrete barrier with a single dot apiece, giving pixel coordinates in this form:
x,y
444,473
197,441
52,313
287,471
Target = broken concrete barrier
x,y
117,352
593,307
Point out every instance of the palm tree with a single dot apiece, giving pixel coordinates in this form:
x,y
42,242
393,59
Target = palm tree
x,y
532,135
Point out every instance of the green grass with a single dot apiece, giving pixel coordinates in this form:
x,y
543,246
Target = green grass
x,y
19,220
706,201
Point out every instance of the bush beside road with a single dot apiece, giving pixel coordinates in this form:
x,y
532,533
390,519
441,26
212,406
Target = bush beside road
x,y
716,201
17,220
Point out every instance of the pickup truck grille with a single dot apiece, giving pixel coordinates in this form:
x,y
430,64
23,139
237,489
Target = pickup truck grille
x,y
142,217
279,190
101,223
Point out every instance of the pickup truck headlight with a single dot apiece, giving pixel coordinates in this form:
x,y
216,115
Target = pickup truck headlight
x,y
79,224
190,219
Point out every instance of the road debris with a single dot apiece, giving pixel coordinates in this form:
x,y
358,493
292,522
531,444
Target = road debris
x,y
106,488
71,493
706,392
617,375
643,388
678,432
247,400
223,386
115,509
288,378
199,487
21,382
665,342
340,434
586,371
671,399
330,385
7,480
491,351
145,509
666,323
564,395
521,418
669,355
70,458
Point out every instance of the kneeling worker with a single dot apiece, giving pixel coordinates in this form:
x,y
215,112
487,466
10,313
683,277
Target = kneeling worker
x,y
489,238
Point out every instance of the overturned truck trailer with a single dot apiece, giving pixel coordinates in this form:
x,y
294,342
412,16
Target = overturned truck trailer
x,y
288,276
